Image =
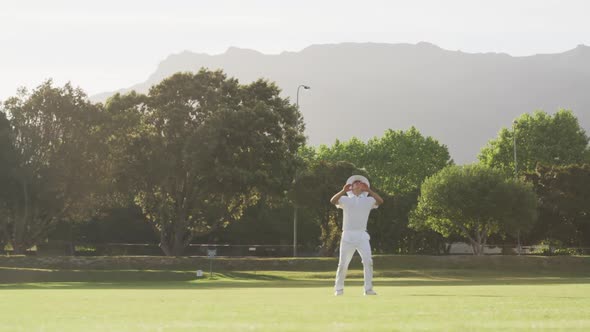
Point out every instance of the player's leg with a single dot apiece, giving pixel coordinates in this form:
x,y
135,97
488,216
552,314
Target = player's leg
x,y
364,250
347,250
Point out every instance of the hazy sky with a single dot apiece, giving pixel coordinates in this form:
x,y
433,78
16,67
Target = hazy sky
x,y
107,45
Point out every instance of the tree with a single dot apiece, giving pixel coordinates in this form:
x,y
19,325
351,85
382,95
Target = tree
x,y
200,148
8,188
401,160
353,151
55,134
564,203
388,226
271,223
540,138
474,201
312,191
112,225
398,161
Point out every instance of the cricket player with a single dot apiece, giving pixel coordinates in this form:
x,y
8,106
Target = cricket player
x,y
356,199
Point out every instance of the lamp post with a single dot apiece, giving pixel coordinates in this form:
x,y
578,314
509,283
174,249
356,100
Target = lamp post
x,y
514,145
306,87
516,175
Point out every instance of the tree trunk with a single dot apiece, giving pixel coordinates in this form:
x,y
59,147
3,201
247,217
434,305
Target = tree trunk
x,y
19,239
174,239
172,247
475,242
475,247
19,248
447,248
20,224
479,242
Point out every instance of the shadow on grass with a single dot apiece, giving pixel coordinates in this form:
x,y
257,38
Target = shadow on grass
x,y
488,296
19,278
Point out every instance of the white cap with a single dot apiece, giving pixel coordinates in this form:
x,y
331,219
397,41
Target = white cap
x,y
358,178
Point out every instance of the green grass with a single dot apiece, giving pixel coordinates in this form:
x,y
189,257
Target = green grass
x,y
410,299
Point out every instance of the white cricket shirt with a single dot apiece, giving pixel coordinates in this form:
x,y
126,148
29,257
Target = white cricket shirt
x,y
356,211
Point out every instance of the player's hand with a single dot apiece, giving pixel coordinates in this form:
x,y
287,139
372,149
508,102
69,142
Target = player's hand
x,y
365,187
347,187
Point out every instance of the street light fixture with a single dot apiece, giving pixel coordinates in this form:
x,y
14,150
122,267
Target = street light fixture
x,y
306,87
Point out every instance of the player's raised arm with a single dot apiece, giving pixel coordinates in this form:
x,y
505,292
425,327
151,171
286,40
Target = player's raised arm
x,y
373,194
339,194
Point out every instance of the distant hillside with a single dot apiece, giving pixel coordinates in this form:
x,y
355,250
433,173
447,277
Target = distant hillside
x,y
461,99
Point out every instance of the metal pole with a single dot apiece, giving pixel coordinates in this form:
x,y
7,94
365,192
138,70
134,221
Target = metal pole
x,y
516,178
515,161
295,232
295,207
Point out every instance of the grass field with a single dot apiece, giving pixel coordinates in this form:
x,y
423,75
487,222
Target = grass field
x,y
435,299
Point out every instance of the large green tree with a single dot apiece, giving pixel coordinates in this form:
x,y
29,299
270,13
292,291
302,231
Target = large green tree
x,y
57,164
8,188
353,151
388,226
199,148
564,204
398,161
556,139
474,202
401,160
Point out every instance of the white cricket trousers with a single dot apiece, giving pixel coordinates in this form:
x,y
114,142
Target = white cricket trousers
x,y
351,241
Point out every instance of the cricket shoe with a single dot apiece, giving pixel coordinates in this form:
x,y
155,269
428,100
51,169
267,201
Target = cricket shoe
x,y
370,292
